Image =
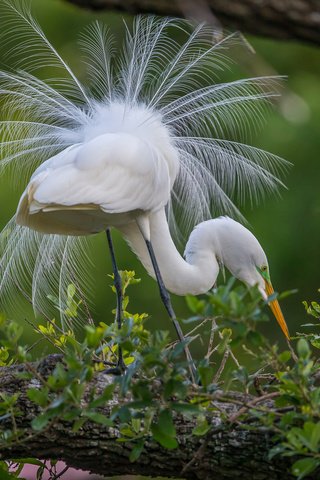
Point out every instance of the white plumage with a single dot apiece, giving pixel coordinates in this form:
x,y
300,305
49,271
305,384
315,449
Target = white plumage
x,y
128,172
153,131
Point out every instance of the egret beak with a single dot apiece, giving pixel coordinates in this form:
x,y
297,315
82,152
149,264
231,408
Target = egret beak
x,y
276,310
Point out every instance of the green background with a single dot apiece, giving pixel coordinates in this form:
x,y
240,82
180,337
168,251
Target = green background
x,y
288,227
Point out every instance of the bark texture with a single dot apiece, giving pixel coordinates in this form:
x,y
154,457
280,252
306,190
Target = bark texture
x,y
281,19
223,453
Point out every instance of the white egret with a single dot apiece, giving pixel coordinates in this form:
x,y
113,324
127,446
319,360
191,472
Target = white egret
x,y
152,133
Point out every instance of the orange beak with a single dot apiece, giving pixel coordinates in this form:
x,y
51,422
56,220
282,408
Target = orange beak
x,y
276,310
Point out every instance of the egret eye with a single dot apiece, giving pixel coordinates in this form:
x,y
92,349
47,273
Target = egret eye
x,y
263,270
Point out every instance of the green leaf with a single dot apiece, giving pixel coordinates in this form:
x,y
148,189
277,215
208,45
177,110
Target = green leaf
x,y
206,375
124,414
202,427
178,349
71,290
275,451
40,397
288,418
303,348
315,437
186,407
165,440
136,451
316,307
72,306
285,356
194,304
4,475
78,424
98,418
309,435
305,466
40,472
315,342
255,338
164,431
287,293
226,338
166,422
40,422
57,402
104,398
126,432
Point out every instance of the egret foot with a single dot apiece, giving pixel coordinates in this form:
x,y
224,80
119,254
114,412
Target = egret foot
x,y
119,367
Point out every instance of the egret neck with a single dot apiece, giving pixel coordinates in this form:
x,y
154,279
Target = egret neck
x,y
220,240
195,275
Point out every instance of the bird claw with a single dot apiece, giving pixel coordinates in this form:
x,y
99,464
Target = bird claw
x,y
119,369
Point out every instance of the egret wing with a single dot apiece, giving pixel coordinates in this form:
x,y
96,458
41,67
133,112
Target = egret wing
x,y
114,173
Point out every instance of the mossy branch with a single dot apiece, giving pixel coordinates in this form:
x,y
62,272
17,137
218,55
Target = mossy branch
x,y
231,449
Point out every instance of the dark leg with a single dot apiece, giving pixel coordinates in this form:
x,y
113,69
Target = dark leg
x,y
118,286
165,297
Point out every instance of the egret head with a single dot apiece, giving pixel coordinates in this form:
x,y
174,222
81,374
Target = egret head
x,y
239,250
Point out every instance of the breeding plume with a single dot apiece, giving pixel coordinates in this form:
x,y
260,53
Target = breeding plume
x,y
152,138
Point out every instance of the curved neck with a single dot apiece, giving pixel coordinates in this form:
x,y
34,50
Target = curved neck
x,y
195,275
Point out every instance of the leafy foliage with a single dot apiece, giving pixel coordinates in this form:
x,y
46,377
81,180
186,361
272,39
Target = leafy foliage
x,y
312,309
155,388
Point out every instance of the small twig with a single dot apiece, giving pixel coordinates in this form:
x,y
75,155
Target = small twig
x,y
293,353
59,475
197,327
55,326
234,358
212,351
201,450
257,377
84,302
31,347
197,456
230,352
175,342
252,404
211,339
222,365
257,386
46,337
227,348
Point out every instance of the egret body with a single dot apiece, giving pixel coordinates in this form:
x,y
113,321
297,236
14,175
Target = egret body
x,y
91,187
154,131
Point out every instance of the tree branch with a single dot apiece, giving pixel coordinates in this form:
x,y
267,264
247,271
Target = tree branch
x,y
281,19
227,451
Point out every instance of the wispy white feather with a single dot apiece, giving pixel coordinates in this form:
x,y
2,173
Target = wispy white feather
x,y
153,78
98,45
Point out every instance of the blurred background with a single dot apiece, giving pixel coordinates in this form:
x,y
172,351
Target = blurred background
x,y
288,226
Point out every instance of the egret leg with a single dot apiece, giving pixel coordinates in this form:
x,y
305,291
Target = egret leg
x,y
165,297
118,286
